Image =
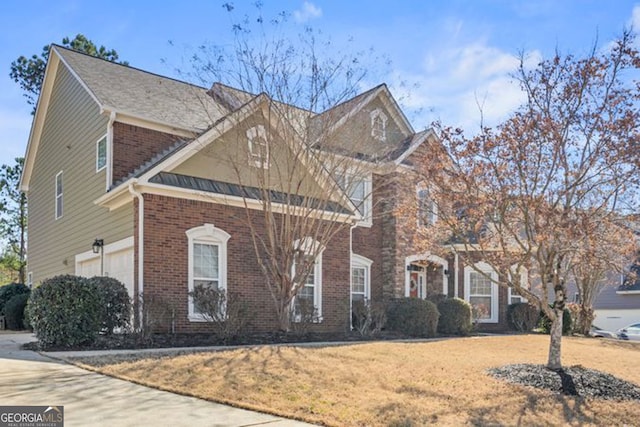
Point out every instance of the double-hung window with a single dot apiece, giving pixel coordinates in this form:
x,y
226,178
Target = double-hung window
x,y
481,291
207,264
307,272
101,153
258,147
358,189
378,125
427,210
59,196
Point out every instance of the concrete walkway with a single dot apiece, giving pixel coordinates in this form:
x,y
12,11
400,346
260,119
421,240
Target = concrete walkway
x,y
90,399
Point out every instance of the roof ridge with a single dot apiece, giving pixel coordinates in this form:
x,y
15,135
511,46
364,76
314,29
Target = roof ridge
x,y
129,66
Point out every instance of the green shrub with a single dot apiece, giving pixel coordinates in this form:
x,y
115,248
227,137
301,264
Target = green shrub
x,y
436,298
545,323
522,316
115,305
455,317
413,317
14,311
9,291
64,312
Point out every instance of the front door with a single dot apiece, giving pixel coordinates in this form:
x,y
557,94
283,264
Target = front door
x,y
418,288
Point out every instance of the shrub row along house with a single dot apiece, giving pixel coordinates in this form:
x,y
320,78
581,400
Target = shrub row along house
x,y
165,185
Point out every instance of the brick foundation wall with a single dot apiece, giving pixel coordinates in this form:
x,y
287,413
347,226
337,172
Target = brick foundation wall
x,y
166,263
133,146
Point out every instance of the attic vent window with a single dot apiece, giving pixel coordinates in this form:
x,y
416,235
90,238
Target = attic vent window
x,y
378,125
258,147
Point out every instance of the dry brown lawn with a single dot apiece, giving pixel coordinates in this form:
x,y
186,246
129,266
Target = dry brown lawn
x,y
401,384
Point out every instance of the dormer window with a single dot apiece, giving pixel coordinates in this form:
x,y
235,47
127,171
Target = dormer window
x,y
378,125
258,147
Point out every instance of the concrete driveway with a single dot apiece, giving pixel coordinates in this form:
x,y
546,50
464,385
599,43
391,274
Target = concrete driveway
x,y
90,399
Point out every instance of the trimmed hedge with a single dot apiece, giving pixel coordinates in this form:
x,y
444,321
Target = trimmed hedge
x,y
413,317
455,317
115,305
545,323
64,312
9,291
14,311
522,316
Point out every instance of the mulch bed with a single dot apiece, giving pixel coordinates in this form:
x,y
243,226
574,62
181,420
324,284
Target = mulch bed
x,y
571,381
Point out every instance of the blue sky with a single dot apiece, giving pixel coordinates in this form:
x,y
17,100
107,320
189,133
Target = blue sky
x,y
453,53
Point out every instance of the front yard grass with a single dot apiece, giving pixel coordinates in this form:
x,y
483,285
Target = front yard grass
x,y
390,383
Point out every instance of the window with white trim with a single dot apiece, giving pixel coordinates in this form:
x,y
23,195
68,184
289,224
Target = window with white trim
x,y
521,280
308,299
207,262
258,147
378,125
59,196
427,209
30,279
358,189
481,291
101,153
360,278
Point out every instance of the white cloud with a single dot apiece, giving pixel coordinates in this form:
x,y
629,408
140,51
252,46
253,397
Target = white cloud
x,y
308,12
635,18
455,82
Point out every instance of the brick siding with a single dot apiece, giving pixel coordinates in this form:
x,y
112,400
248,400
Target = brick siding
x,y
133,146
166,264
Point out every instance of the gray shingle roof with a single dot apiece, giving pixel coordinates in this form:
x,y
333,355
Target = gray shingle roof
x,y
144,95
228,189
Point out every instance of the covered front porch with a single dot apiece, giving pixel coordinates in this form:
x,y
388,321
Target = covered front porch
x,y
426,275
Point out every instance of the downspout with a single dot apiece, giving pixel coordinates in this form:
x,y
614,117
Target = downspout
x,y
112,119
140,243
350,276
455,275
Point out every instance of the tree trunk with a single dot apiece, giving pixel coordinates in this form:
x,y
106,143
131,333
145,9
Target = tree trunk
x,y
555,344
586,319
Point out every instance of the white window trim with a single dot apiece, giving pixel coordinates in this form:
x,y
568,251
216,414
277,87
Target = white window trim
x,y
106,152
366,218
423,187
254,158
377,113
358,261
310,246
207,234
524,281
480,268
30,279
59,197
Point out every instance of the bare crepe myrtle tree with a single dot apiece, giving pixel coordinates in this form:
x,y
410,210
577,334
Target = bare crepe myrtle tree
x,y
300,186
543,190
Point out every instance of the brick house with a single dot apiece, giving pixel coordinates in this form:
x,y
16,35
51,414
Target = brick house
x,y
142,165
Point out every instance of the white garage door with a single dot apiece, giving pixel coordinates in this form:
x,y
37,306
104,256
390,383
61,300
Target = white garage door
x,y
88,268
119,265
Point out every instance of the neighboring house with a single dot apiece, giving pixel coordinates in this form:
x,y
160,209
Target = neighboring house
x,y
618,306
136,162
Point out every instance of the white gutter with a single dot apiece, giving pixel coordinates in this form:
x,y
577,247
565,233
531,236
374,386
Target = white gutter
x,y
140,241
112,119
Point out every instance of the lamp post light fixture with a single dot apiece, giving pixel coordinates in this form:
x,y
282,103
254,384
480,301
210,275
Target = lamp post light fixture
x,y
98,248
